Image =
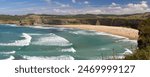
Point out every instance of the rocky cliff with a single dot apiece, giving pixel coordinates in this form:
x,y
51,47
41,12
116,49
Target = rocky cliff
x,y
110,20
144,35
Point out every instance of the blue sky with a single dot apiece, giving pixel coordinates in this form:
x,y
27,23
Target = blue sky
x,y
63,7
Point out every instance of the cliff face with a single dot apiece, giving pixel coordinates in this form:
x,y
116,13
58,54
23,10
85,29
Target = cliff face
x,y
133,23
31,20
144,35
109,20
143,51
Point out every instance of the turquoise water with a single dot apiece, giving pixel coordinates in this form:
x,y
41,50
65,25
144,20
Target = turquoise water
x,y
52,43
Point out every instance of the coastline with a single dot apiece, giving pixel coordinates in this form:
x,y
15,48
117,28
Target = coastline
x,y
130,33
120,31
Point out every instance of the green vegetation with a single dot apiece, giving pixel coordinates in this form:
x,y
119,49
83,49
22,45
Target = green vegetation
x,y
131,21
9,17
143,53
137,21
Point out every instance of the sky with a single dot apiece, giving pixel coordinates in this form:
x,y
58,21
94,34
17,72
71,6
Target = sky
x,y
65,7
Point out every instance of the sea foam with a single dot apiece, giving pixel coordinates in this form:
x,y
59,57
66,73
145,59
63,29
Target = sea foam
x,y
52,40
10,58
6,53
82,32
62,57
69,50
24,42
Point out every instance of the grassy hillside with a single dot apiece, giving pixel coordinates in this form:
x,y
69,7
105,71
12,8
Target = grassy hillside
x,y
132,20
143,53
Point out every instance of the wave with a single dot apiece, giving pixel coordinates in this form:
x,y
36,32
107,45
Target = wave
x,y
44,27
6,53
36,34
69,50
127,40
52,40
127,52
83,32
25,42
108,34
40,27
96,33
62,57
13,25
103,49
10,58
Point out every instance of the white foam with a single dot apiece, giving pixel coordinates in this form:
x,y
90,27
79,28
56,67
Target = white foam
x,y
69,50
44,27
107,34
103,49
13,25
24,42
127,40
35,34
52,40
40,27
62,57
11,52
113,57
82,32
10,58
127,52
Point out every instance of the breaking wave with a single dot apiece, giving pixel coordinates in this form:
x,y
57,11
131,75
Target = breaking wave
x,y
24,42
62,57
12,52
10,58
52,40
69,50
127,40
83,32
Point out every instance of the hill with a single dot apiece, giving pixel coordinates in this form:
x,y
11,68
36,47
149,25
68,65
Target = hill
x,y
132,20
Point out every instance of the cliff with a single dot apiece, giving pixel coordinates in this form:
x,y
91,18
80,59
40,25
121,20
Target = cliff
x,y
143,51
144,35
110,20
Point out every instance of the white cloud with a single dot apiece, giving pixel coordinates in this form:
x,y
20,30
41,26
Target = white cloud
x,y
62,5
113,8
61,8
130,8
143,4
73,1
114,4
86,2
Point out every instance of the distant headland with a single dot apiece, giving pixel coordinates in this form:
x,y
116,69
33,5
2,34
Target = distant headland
x,y
129,20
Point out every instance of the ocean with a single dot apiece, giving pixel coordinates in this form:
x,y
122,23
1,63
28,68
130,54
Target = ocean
x,y
55,43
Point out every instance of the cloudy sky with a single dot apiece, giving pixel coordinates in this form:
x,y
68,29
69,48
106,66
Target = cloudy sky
x,y
63,7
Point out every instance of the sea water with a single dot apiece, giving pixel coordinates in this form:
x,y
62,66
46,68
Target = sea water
x,y
55,43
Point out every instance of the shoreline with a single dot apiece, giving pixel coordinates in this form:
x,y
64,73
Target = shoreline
x,y
130,33
120,31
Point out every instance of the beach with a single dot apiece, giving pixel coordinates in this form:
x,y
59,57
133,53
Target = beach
x,y
121,31
63,42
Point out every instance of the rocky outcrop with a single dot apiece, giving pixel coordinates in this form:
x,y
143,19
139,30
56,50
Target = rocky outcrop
x,y
144,35
31,20
126,21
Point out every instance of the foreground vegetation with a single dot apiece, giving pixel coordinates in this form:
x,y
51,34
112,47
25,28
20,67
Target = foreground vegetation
x,y
143,52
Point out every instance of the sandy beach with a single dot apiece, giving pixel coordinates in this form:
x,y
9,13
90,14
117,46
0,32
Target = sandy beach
x,y
121,31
